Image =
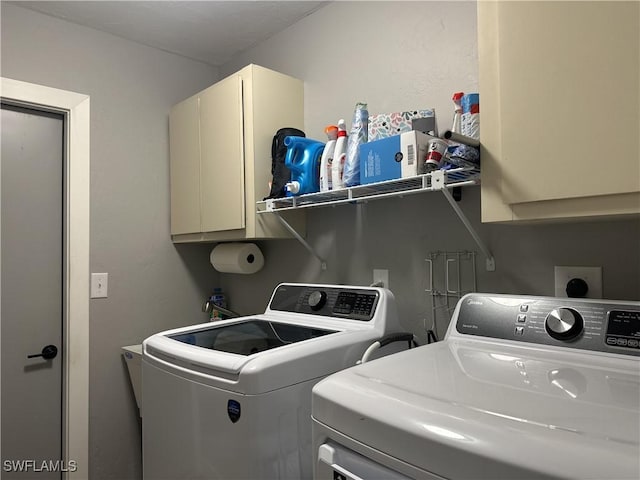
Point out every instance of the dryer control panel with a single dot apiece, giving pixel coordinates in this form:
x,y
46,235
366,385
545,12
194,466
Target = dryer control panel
x,y
605,326
329,301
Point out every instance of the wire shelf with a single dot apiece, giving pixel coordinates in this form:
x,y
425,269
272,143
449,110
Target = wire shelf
x,y
442,180
436,180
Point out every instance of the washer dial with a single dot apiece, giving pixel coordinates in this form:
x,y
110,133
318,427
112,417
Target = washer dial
x,y
317,299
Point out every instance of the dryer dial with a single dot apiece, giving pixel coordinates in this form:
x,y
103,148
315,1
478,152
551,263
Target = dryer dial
x,y
564,323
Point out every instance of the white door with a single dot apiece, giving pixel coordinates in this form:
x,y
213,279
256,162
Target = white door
x,y
32,249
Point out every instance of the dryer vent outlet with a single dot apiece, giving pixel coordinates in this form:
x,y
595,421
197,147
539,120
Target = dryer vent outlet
x,y
578,282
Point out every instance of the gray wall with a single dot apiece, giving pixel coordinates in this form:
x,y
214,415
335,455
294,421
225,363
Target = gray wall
x,y
407,55
152,284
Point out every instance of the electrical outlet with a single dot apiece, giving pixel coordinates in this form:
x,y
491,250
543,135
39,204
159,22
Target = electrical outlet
x,y
381,276
99,284
591,275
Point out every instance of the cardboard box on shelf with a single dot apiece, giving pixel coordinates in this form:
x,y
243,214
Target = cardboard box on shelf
x,y
394,157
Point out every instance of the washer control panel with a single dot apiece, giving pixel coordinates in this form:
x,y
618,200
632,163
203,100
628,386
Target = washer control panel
x,y
330,301
604,326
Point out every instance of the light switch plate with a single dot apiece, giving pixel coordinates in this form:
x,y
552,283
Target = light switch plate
x,y
99,284
591,275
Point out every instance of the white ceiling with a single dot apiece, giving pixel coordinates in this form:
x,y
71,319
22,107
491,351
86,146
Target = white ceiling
x,y
209,31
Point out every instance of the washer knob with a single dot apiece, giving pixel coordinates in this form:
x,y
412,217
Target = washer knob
x,y
563,323
317,300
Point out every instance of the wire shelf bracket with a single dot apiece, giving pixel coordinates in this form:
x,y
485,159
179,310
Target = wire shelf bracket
x,y
285,224
490,261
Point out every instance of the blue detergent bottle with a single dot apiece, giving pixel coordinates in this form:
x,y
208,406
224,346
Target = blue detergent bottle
x,y
303,160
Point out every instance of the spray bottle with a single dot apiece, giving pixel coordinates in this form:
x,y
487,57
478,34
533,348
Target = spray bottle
x,y
463,150
470,117
327,158
457,116
339,156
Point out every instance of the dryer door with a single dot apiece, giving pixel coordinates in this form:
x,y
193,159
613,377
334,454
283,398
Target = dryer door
x,y
336,462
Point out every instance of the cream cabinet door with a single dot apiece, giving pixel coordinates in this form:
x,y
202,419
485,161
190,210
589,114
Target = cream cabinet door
x,y
185,167
222,183
562,85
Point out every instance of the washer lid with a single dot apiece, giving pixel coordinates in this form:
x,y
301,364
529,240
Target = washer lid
x,y
463,411
249,336
253,355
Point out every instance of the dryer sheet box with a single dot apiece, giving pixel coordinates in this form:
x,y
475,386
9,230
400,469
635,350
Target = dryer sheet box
x,y
399,156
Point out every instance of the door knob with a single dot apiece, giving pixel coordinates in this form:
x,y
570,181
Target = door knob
x,y
48,352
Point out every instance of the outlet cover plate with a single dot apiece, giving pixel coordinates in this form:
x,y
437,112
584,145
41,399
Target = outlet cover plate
x,y
591,275
380,275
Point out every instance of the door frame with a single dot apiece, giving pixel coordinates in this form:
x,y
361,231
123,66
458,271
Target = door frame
x,y
75,388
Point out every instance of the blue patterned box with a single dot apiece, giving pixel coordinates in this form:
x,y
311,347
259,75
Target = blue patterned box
x,y
384,125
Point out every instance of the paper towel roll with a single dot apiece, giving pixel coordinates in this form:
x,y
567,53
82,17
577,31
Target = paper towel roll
x,y
236,258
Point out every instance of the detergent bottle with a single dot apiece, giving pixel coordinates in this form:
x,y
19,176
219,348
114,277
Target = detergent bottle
x,y
303,160
339,156
327,158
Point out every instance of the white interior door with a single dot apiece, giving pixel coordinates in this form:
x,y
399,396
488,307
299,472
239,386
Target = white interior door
x,y
32,196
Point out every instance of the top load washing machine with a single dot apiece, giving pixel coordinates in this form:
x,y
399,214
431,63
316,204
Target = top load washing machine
x,y
520,388
232,399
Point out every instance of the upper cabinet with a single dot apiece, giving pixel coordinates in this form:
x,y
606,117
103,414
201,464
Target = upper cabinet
x,y
560,94
220,156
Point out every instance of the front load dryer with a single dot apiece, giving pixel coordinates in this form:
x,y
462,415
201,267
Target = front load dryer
x,y
232,399
520,388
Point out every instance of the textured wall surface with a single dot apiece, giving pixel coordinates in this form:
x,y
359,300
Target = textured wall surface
x,y
393,55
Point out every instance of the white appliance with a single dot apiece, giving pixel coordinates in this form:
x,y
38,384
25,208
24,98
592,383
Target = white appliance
x,y
133,356
232,399
520,388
